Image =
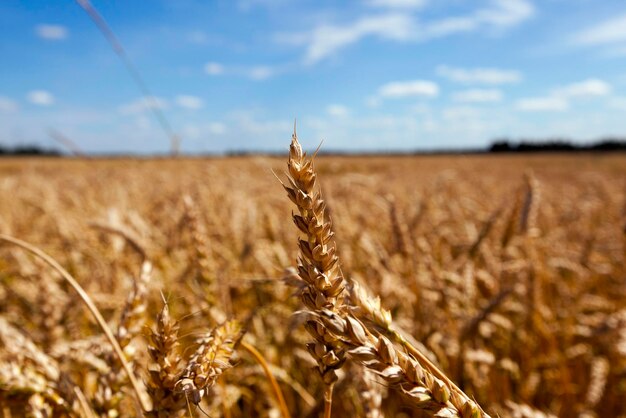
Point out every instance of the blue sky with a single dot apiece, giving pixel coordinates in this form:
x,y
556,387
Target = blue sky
x,y
360,75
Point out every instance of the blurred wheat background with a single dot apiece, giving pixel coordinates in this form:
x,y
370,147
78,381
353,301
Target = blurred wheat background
x,y
506,272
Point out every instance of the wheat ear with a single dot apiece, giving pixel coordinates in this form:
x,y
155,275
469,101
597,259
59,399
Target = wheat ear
x,y
210,360
317,264
163,349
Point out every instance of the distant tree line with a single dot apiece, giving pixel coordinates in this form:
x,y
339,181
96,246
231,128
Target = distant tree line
x,y
556,145
28,150
498,146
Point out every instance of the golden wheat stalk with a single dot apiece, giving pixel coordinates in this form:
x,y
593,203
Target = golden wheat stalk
x,y
318,265
334,329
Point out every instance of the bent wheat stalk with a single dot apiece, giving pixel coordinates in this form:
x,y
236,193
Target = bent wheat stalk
x,y
364,305
400,370
91,307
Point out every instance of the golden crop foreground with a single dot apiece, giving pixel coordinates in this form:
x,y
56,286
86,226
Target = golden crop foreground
x,y
444,286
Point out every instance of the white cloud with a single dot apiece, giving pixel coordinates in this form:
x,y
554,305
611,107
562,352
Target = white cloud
x,y
560,98
143,104
372,101
449,26
214,68
478,96
397,89
202,131
142,123
327,39
506,13
460,112
7,105
607,32
52,32
40,98
422,109
217,128
197,37
479,75
586,88
425,128
397,4
249,123
502,14
337,110
619,50
542,104
260,72
618,103
189,102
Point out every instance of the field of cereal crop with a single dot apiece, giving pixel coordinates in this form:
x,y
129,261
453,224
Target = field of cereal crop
x,y
452,286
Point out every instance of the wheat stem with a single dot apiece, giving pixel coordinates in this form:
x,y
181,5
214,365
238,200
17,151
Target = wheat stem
x,y
328,400
275,387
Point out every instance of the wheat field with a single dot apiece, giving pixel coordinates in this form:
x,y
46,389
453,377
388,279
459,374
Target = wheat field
x,y
444,286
